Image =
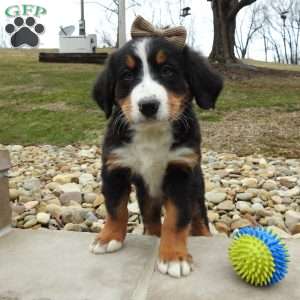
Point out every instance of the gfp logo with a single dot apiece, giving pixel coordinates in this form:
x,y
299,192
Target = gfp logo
x,y
25,30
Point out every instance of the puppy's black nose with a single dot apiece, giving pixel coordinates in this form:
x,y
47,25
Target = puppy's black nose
x,y
149,108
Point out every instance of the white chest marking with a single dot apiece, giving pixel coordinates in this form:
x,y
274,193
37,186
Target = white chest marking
x,y
149,154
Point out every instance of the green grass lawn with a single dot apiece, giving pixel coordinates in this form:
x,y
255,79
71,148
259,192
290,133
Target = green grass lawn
x,y
51,103
46,103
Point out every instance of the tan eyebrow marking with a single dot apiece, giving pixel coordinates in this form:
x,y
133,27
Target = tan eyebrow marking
x,y
130,62
160,57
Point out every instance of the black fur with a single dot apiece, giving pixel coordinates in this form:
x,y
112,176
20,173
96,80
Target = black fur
x,y
205,84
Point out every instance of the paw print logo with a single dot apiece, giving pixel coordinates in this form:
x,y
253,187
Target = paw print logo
x,y
24,32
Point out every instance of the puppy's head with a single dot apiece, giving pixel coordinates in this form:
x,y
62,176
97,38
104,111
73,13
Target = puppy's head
x,y
152,80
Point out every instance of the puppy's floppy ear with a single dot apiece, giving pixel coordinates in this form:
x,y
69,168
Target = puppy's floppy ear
x,y
205,84
104,89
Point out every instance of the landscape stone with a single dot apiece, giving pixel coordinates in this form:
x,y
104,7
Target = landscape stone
x,y
32,184
98,201
288,181
67,197
281,233
239,223
72,227
43,218
215,197
70,187
13,194
290,193
212,216
292,218
101,211
296,229
243,206
280,208
270,185
30,223
226,205
244,196
250,182
64,178
222,227
133,208
85,179
89,197
31,204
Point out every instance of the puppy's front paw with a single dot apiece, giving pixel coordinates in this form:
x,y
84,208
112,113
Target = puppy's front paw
x,y
175,268
99,248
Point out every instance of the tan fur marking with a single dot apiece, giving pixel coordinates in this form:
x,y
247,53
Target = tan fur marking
x,y
160,57
151,214
115,227
152,229
176,104
130,62
199,228
173,243
112,162
125,105
186,161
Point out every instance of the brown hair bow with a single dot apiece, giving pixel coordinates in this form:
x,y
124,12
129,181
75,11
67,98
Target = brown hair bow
x,y
142,28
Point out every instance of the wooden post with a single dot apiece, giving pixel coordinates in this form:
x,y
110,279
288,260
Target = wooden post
x,y
5,209
122,24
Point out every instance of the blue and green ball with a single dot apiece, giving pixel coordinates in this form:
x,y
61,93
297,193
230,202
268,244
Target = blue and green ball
x,y
259,256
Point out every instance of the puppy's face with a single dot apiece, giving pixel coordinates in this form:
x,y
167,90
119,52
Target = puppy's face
x,y
153,80
150,81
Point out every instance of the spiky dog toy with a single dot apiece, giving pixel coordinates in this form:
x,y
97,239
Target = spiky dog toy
x,y
259,256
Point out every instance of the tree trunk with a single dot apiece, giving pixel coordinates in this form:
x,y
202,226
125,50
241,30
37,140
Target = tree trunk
x,y
224,31
224,14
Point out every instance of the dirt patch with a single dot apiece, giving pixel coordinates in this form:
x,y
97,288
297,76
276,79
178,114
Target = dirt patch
x,y
243,72
255,130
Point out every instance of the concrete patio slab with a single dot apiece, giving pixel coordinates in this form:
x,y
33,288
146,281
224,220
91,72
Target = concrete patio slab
x,y
56,265
213,277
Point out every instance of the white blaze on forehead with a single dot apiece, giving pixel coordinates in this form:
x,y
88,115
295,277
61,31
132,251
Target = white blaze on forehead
x,y
148,87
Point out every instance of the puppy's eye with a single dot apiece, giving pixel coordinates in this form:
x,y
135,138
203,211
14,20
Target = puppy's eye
x,y
167,71
127,75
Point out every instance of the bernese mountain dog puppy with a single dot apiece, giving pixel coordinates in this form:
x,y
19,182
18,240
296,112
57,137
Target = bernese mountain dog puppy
x,y
153,141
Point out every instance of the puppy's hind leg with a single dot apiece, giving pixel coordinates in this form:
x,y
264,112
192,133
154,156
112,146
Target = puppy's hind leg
x,y
200,225
150,209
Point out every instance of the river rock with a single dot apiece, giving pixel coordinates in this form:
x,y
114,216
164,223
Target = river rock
x,y
250,182
66,198
215,197
43,218
244,196
270,185
226,205
70,187
239,223
292,218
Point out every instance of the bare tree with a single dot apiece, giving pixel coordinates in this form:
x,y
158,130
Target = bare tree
x,y
111,9
105,39
283,30
246,32
224,16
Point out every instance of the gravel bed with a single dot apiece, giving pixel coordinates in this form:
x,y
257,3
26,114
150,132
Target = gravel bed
x,y
59,188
